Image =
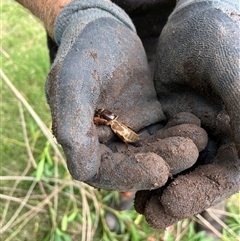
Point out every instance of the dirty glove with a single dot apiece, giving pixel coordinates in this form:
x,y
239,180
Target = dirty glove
x,y
197,70
101,64
192,193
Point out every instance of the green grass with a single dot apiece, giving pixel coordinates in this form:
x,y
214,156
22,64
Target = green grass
x,y
39,199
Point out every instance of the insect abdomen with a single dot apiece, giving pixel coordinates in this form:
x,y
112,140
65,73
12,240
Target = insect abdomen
x,y
125,133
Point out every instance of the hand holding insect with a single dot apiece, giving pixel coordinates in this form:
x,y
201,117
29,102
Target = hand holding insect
x,y
102,64
111,74
101,73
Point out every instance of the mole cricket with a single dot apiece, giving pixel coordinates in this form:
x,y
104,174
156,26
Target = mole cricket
x,y
106,117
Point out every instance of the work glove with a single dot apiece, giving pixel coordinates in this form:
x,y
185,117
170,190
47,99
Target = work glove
x,y
197,70
101,65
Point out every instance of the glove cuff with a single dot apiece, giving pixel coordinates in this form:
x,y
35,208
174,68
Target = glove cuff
x,y
82,12
227,6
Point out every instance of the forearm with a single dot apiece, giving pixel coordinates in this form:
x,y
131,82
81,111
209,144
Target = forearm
x,y
45,10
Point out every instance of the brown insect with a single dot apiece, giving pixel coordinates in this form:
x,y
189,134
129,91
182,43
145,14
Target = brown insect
x,y
106,117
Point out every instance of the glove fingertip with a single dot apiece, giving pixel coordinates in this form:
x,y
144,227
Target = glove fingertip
x,y
155,214
140,200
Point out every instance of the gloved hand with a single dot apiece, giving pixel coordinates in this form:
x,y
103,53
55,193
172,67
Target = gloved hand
x,y
197,70
101,63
